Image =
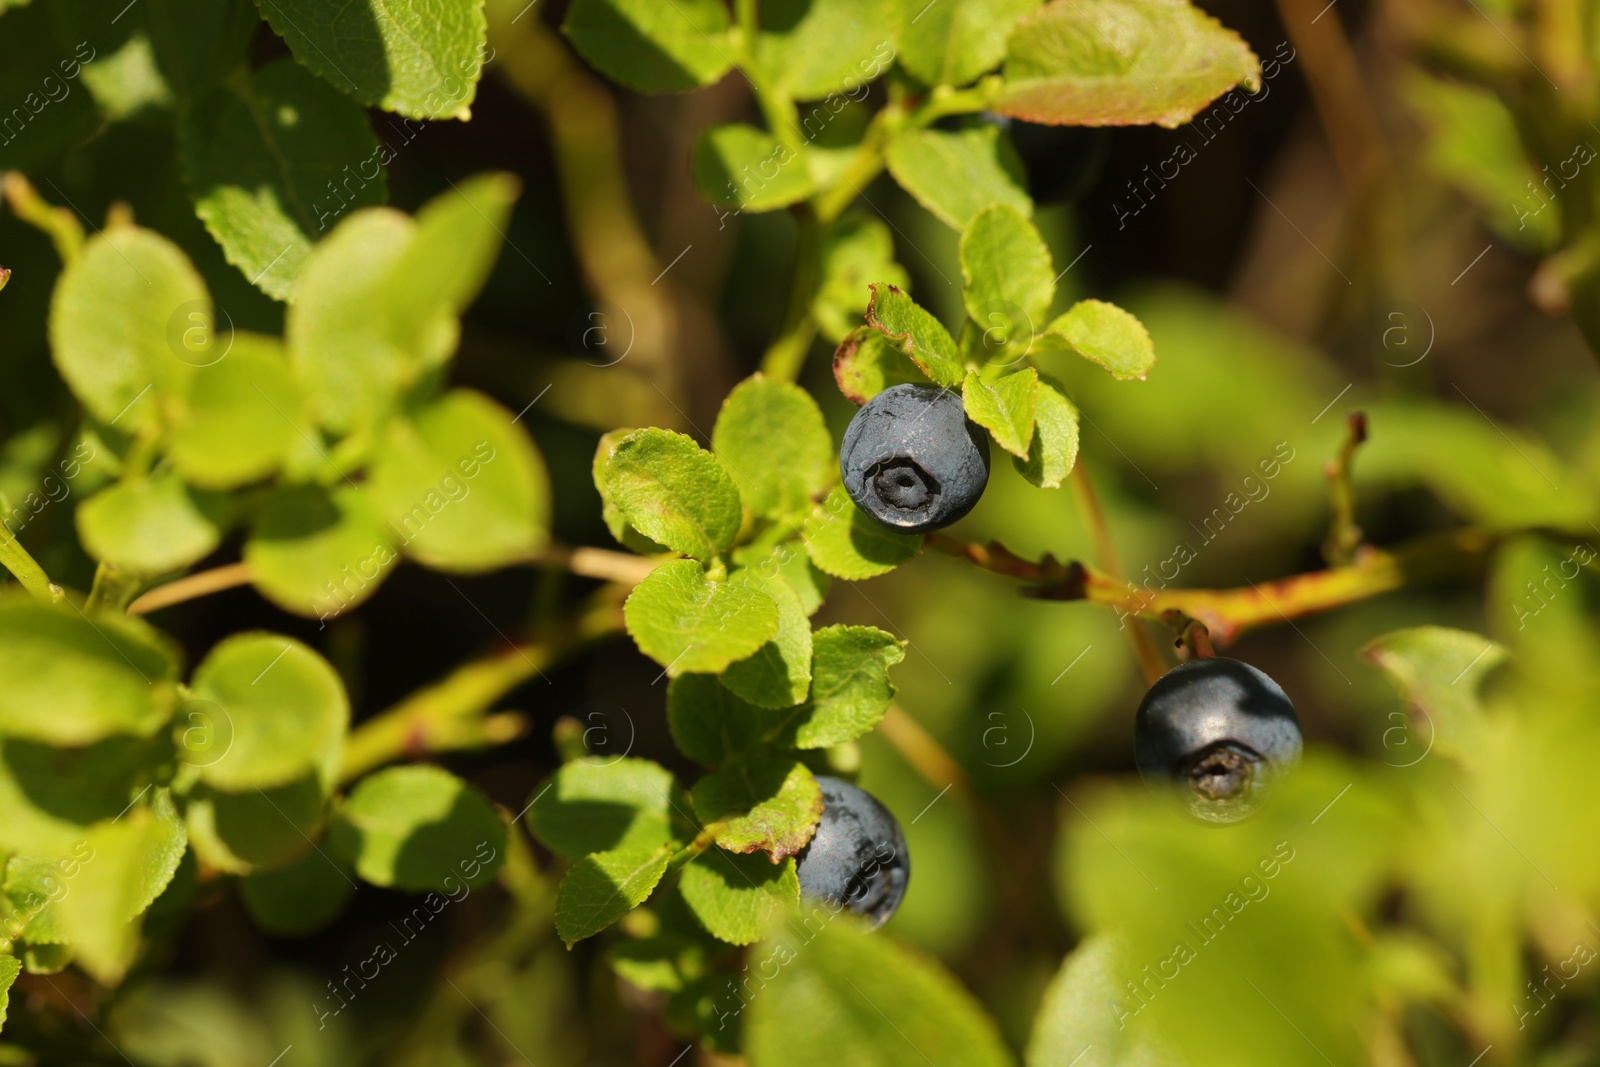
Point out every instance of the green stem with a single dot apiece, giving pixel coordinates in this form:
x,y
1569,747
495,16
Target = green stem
x,y
864,165
1344,536
702,841
24,567
787,354
58,223
450,714
894,118
1094,517
112,589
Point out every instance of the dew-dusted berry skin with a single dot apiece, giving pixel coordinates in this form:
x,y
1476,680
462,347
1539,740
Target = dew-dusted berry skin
x,y
858,856
1219,729
912,460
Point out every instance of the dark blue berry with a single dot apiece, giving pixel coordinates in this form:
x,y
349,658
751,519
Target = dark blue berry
x,y
858,857
1221,730
912,460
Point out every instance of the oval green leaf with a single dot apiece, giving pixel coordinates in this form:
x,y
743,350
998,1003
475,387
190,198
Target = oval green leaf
x,y
419,827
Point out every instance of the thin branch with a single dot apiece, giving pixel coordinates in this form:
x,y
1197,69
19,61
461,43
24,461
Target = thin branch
x,y
922,751
191,587
451,713
1228,612
58,223
624,568
1150,659
1193,636
1344,536
23,567
586,138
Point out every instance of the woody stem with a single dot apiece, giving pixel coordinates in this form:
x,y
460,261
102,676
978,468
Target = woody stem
x,y
1226,613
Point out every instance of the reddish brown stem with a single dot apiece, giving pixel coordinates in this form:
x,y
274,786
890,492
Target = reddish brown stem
x,y
1226,613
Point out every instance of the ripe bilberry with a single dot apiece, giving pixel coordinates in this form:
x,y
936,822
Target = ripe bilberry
x,y
1221,730
858,857
912,460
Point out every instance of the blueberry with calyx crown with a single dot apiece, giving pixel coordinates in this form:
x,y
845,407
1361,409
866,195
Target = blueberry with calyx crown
x,y
1221,731
912,460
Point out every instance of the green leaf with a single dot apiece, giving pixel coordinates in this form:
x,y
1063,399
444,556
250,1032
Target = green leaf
x,y
771,437
609,512
242,418
603,887
917,333
651,46
300,899
318,552
864,1000
41,959
788,561
33,886
461,485
449,260
778,675
376,310
595,805
765,800
419,58
850,686
1054,449
116,320
1105,334
814,48
847,544
856,251
956,174
349,366
124,80
10,967
1497,477
1073,1025
1010,280
1440,672
1121,63
1471,141
866,363
665,963
1004,407
953,41
272,161
796,568
738,898
418,827
690,624
1206,909
165,850
243,833
151,526
283,711
71,680
741,167
52,795
674,492
710,723
130,861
